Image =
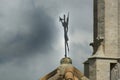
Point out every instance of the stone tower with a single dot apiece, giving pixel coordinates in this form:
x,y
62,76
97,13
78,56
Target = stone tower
x,y
104,64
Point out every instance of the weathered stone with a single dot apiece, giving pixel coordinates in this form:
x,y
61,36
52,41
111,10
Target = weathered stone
x,y
66,71
102,64
107,25
111,28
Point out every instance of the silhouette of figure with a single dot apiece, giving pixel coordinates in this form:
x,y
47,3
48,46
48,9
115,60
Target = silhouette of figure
x,y
65,26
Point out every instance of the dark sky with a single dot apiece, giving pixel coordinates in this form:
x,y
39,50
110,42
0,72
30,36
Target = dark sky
x,y
31,36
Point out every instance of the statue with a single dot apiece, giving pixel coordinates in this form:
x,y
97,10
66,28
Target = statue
x,y
64,22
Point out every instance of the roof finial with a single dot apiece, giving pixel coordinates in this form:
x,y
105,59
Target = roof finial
x,y
64,22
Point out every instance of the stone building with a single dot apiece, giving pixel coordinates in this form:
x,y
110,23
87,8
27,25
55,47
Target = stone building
x,y
66,71
104,63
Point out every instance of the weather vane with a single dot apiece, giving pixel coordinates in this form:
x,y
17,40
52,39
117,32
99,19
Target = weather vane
x,y
64,22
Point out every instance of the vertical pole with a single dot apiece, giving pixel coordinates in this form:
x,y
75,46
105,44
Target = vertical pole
x,y
65,50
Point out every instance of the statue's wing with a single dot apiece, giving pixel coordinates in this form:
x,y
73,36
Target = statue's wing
x,y
49,75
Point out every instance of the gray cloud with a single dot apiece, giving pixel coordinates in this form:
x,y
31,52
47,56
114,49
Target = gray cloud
x,y
31,36
34,30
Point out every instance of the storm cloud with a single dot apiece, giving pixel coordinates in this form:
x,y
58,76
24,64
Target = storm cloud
x,y
31,36
25,30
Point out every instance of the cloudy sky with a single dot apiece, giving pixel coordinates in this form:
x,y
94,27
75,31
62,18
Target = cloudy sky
x,y
31,36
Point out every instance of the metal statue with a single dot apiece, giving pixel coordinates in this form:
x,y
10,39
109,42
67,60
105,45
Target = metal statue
x,y
64,22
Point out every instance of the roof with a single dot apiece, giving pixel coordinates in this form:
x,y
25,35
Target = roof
x,y
65,71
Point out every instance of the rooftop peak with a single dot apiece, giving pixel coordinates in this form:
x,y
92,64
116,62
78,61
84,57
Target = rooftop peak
x,y
66,60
